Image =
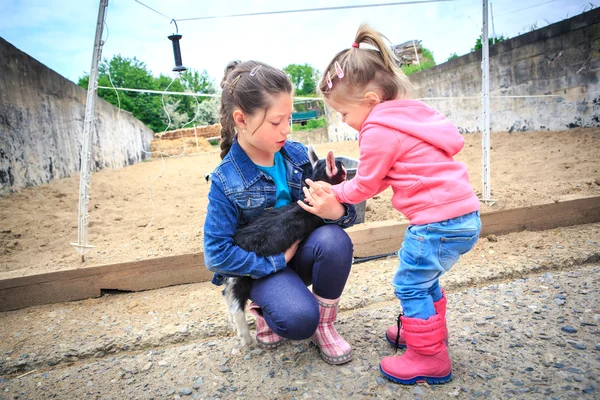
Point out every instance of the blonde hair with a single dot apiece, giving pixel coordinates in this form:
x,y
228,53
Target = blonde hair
x,y
365,70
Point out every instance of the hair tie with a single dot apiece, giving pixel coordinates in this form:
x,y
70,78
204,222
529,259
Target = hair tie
x,y
255,70
329,83
233,83
338,70
355,45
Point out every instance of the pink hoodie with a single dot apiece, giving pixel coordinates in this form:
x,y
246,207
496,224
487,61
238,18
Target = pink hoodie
x,y
409,146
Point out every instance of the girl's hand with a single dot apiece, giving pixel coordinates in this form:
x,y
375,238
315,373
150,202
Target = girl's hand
x,y
321,201
289,253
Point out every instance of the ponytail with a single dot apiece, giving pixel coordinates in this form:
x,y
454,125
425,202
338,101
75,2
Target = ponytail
x,y
365,69
368,35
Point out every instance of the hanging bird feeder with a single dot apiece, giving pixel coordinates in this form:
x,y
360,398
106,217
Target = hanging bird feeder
x,y
176,49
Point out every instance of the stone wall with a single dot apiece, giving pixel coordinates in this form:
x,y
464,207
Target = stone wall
x,y
557,64
552,74
41,125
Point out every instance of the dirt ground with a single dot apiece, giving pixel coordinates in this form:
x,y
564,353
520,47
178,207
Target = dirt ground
x,y
523,312
157,208
523,317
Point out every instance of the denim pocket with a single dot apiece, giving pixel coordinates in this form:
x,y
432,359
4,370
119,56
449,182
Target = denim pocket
x,y
251,206
411,252
454,243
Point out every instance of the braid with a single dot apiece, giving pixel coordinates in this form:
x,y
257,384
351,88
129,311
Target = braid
x,y
227,124
227,132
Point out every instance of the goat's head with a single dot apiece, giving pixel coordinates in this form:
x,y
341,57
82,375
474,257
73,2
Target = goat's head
x,y
328,170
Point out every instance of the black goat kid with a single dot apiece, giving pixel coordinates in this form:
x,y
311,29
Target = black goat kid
x,y
273,233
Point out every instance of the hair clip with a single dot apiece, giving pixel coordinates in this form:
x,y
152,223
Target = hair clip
x,y
329,83
233,83
255,70
338,70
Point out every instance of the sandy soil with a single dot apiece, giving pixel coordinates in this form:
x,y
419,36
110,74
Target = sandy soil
x,y
157,208
523,317
523,312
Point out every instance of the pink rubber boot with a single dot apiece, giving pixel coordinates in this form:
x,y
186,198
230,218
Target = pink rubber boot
x,y
265,337
392,331
426,357
334,349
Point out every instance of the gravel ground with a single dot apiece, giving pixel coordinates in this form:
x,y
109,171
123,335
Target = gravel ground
x,y
523,315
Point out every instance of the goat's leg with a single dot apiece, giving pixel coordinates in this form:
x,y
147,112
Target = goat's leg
x,y
239,317
228,298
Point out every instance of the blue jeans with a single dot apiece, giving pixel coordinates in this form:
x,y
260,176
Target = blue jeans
x,y
324,260
428,251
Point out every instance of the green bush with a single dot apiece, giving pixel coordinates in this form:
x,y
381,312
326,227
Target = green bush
x,y
452,56
428,62
411,69
310,125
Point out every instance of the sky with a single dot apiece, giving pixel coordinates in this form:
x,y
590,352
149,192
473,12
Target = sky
x,y
60,33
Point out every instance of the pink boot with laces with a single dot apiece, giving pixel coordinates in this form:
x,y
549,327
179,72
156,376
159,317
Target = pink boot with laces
x,y
392,331
426,358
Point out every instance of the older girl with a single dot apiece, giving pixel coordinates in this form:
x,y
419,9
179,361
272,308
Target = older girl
x,y
262,169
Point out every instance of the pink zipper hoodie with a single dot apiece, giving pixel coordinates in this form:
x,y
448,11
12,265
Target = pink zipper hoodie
x,y
409,146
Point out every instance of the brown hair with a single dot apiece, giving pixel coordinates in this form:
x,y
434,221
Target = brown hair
x,y
249,87
365,69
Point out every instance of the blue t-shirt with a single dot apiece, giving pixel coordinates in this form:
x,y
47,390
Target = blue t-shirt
x,y
277,172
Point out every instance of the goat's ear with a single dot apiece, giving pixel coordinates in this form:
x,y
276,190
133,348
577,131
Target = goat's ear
x,y
312,155
331,167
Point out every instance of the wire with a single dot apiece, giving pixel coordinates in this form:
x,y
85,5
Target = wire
x,y
359,260
320,98
187,93
314,9
161,92
163,154
526,8
158,12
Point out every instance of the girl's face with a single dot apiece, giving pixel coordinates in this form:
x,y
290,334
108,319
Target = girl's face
x,y
264,134
354,114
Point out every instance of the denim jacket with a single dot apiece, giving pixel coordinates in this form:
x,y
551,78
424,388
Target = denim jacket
x,y
239,193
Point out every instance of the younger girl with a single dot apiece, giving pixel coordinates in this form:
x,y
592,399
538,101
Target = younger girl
x,y
409,146
261,169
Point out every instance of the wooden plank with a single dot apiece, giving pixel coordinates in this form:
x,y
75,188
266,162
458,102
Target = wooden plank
x,y
542,217
83,283
373,238
369,239
386,237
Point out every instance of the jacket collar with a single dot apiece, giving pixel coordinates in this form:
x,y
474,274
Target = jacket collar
x,y
295,153
250,173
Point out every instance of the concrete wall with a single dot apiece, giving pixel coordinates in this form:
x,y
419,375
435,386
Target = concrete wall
x,y
561,62
314,136
41,125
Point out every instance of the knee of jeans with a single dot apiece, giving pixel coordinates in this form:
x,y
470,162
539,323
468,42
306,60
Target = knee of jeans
x,y
333,239
408,293
297,324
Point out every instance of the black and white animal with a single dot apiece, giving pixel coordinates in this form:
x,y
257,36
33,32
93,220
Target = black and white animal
x,y
273,233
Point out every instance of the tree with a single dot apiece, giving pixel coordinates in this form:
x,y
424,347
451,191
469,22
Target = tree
x,y
198,82
208,112
303,77
491,41
147,107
